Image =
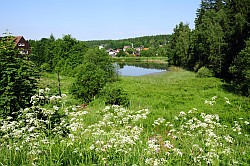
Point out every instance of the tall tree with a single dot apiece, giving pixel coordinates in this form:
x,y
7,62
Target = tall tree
x,y
17,79
240,69
180,45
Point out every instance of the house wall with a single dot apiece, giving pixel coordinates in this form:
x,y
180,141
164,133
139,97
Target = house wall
x,y
23,46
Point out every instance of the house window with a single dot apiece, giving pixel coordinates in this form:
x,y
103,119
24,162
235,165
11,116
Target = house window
x,y
21,44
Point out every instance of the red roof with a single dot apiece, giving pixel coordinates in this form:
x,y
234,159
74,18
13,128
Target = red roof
x,y
17,39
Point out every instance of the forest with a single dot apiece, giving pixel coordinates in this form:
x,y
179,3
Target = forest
x,y
220,42
146,41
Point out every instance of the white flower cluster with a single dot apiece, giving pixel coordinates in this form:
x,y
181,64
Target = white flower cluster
x,y
117,130
32,127
43,97
212,101
201,134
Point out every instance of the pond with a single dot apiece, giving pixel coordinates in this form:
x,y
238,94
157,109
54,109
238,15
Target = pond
x,y
139,69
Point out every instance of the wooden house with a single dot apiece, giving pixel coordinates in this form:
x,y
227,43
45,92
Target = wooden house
x,y
20,44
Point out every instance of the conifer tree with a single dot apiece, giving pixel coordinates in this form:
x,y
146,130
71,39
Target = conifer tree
x,y
17,79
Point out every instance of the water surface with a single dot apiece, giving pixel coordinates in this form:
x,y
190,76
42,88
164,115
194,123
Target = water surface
x,y
135,70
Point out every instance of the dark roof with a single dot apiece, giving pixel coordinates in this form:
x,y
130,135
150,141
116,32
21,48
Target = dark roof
x,y
17,39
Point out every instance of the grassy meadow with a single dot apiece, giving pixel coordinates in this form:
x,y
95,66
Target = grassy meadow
x,y
174,118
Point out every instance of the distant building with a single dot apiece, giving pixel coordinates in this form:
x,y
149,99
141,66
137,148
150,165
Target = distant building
x,y
20,44
126,47
111,52
101,47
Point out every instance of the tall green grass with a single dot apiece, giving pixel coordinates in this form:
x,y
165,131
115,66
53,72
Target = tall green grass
x,y
178,90
173,118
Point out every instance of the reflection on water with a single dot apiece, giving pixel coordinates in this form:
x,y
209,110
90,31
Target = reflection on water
x,y
139,69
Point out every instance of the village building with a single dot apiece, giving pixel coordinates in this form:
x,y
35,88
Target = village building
x,y
21,45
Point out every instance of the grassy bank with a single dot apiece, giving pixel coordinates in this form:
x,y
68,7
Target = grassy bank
x,y
141,59
179,90
174,118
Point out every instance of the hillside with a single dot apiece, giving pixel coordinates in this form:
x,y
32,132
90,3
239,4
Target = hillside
x,y
146,41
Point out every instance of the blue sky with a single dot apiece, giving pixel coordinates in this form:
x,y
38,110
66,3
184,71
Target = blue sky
x,y
94,19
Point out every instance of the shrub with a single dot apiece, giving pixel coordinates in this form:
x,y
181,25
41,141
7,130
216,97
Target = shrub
x,y
204,72
114,95
97,70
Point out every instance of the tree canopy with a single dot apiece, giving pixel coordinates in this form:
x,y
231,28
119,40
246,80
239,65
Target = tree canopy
x,y
218,42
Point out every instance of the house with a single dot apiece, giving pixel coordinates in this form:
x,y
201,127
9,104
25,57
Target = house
x,y
126,47
138,49
20,44
111,52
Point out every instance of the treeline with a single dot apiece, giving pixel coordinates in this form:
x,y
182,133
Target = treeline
x,y
63,54
219,42
146,41
91,68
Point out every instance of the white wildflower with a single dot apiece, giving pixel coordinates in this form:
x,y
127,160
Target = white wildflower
x,y
227,100
47,90
168,144
228,139
182,114
41,91
64,95
214,97
56,108
92,147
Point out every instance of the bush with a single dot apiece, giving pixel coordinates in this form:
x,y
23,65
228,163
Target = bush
x,y
204,72
114,95
97,70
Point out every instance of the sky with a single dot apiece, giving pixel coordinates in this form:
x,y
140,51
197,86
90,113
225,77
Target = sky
x,y
94,19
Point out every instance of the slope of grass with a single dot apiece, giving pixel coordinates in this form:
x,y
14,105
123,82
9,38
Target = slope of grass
x,y
167,93
174,118
179,90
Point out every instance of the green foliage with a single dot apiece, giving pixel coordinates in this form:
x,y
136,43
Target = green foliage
x,y
46,67
221,29
178,128
17,79
113,94
180,45
62,55
130,50
97,69
121,54
146,41
241,69
204,72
